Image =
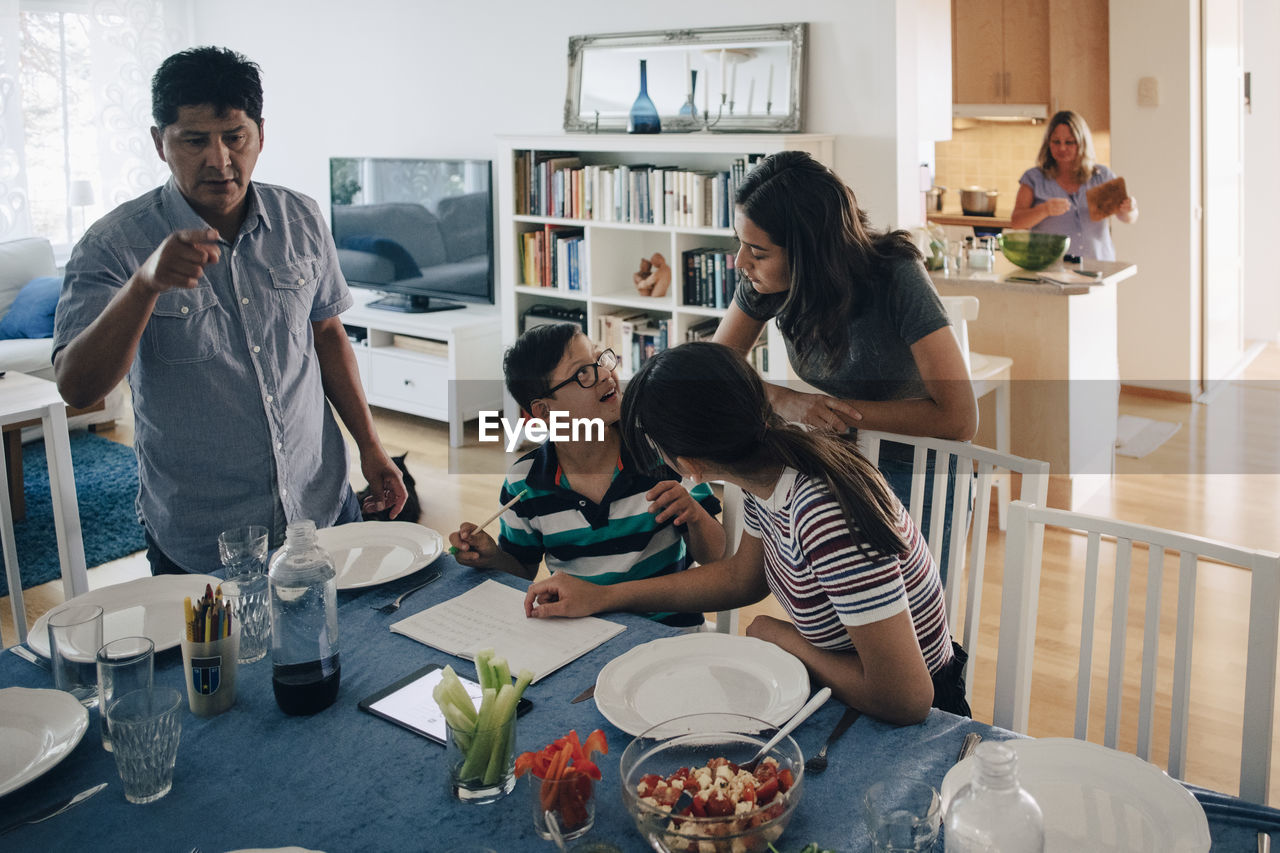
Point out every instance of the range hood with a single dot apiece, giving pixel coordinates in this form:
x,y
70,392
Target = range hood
x,y
1027,113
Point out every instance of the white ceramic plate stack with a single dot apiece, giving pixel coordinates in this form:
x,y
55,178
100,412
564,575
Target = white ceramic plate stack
x,y
1100,799
699,673
369,553
38,728
146,607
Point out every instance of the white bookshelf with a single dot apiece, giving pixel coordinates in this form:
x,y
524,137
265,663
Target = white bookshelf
x,y
611,250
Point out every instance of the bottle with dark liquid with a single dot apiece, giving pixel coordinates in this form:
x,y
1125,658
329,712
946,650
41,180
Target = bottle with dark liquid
x,y
304,623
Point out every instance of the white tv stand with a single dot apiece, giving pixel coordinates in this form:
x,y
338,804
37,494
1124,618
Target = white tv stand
x,y
445,365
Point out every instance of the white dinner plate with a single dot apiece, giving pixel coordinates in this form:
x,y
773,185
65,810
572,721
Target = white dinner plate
x,y
1100,799
38,728
698,673
368,553
146,607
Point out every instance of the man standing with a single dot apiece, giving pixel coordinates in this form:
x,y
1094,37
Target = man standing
x,y
220,298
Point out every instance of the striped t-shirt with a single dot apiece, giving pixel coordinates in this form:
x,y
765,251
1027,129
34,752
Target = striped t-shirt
x,y
827,577
609,542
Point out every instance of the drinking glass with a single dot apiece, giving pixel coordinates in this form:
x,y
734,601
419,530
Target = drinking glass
x,y
124,665
570,799
475,775
903,815
145,728
249,598
75,635
243,549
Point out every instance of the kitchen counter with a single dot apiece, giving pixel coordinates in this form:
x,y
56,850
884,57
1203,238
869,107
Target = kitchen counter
x,y
1064,401
1113,272
997,222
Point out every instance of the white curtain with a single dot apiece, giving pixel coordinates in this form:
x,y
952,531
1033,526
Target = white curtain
x,y
127,41
15,219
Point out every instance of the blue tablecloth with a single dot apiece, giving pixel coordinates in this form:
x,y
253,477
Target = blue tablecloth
x,y
344,780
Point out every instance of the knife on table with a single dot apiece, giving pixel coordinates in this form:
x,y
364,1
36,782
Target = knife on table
x,y
55,809
584,695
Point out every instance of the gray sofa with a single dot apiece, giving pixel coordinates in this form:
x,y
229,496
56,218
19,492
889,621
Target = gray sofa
x,y
20,261
408,244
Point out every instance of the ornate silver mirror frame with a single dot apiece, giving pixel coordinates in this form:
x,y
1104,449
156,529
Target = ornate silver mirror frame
x,y
730,78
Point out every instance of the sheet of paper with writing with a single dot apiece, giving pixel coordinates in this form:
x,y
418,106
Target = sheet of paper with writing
x,y
491,616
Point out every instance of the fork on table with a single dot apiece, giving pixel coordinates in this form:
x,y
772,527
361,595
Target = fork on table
x,y
393,606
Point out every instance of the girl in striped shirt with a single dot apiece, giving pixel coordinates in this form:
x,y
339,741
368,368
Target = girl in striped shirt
x,y
824,534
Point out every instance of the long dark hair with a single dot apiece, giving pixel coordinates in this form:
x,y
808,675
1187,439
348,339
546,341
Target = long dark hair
x,y
702,400
836,258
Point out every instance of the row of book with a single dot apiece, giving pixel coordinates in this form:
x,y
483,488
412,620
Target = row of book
x,y
558,184
634,336
706,330
709,277
552,257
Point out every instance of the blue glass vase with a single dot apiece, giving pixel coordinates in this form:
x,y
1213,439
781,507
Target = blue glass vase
x,y
644,115
688,108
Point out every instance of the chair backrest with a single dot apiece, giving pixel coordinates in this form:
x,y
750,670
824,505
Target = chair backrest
x,y
961,310
976,471
1023,557
731,518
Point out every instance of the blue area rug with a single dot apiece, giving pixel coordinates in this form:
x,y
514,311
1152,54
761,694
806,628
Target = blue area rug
x,y
106,485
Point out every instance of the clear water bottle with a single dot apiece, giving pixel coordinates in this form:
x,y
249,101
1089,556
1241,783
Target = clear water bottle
x,y
994,813
304,623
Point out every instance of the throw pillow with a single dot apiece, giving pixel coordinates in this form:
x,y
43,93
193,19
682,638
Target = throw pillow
x,y
31,314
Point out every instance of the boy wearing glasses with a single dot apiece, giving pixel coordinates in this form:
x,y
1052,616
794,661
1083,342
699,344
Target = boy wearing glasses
x,y
589,510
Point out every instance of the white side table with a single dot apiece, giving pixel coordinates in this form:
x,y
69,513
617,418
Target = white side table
x,y
24,398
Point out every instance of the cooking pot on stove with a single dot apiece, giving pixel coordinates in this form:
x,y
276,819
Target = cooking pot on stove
x,y
933,198
976,201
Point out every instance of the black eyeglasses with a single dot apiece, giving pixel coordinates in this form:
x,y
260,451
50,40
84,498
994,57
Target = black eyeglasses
x,y
588,375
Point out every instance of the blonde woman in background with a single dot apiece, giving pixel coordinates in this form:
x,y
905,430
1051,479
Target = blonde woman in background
x,y
1051,198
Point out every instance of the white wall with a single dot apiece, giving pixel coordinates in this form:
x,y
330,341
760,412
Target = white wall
x,y
390,78
1157,150
1262,178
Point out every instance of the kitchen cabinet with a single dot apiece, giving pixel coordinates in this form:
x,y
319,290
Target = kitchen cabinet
x,y
1000,51
1051,52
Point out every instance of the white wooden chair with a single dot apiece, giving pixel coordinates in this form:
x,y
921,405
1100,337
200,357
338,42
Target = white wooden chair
x,y
731,518
976,467
1018,627
988,374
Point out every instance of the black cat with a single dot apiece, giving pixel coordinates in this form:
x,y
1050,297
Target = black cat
x,y
411,511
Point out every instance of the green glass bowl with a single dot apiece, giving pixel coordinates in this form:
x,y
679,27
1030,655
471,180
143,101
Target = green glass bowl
x,y
1033,251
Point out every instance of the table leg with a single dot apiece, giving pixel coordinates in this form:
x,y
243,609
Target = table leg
x,y
66,509
13,464
12,572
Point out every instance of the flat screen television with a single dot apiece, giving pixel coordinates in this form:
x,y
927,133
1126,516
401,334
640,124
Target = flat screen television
x,y
419,230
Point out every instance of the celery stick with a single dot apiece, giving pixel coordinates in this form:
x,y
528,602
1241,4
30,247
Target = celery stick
x,y
503,671
523,680
477,759
453,693
482,669
504,709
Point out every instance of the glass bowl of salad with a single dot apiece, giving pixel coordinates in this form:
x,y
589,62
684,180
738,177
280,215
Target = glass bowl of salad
x,y
685,786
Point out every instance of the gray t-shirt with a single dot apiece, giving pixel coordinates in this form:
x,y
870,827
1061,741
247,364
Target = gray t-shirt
x,y
877,364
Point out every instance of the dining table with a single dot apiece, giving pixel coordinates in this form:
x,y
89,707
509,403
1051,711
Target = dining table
x,y
346,780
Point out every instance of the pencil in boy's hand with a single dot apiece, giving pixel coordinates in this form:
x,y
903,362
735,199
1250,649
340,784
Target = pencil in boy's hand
x,y
506,506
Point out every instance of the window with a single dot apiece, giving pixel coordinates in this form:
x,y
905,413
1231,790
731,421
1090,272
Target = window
x,y
60,138
75,111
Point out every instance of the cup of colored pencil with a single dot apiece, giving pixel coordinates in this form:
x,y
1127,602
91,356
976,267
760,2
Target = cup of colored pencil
x,y
209,651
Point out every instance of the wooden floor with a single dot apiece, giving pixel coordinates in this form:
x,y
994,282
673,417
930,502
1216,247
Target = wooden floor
x,y
1218,476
